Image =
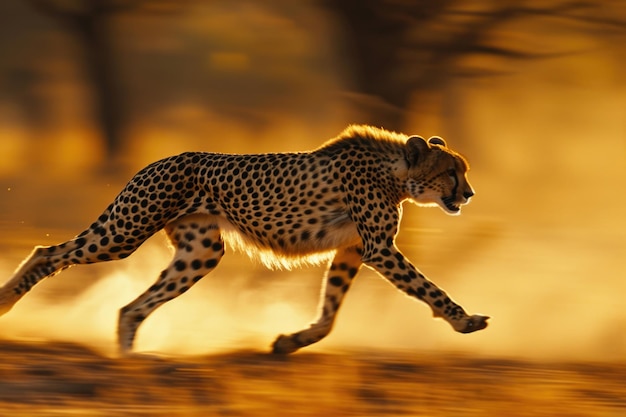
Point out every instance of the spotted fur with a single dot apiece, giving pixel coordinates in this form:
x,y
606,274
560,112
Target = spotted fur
x,y
341,202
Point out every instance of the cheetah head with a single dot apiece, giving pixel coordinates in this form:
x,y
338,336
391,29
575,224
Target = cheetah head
x,y
437,175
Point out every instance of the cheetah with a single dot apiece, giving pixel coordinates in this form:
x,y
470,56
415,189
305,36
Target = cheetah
x,y
341,202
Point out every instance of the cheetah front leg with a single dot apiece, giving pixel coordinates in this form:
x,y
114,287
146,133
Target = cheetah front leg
x,y
342,270
390,263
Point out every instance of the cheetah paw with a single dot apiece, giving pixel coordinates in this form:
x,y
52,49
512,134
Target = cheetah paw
x,y
474,323
284,345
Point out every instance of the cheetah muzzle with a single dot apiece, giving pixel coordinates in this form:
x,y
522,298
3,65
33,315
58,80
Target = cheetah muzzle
x,y
449,202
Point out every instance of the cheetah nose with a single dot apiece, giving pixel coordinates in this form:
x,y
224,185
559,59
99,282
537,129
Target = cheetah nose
x,y
468,194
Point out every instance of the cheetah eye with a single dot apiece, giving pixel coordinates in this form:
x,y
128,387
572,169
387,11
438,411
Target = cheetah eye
x,y
452,174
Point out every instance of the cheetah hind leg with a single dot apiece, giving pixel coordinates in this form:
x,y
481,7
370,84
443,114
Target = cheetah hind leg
x,y
13,290
198,249
43,261
339,276
95,244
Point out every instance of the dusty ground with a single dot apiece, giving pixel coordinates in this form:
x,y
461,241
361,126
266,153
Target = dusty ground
x,y
52,379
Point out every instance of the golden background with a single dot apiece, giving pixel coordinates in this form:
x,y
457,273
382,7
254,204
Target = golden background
x,y
532,93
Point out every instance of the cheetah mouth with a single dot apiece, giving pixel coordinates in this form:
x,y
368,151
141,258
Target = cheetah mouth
x,y
449,203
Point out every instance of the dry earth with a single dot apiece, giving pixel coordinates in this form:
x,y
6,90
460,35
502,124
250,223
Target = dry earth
x,y
56,379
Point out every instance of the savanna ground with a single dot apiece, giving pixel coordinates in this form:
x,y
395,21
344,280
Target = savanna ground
x,y
54,378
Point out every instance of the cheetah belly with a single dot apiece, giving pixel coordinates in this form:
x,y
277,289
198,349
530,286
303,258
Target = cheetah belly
x,y
291,248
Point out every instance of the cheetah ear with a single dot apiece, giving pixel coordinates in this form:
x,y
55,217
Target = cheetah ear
x,y
436,140
416,148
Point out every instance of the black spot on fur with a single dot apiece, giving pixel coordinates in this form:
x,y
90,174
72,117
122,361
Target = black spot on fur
x,y
336,281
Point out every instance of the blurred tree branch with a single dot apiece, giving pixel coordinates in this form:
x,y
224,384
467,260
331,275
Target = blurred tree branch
x,y
402,47
397,50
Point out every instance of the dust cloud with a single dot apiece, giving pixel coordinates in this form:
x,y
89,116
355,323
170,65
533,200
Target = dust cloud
x,y
223,311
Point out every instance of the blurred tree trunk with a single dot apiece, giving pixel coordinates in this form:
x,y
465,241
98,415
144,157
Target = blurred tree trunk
x,y
89,23
92,30
375,34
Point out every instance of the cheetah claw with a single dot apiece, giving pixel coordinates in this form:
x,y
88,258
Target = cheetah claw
x,y
474,323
